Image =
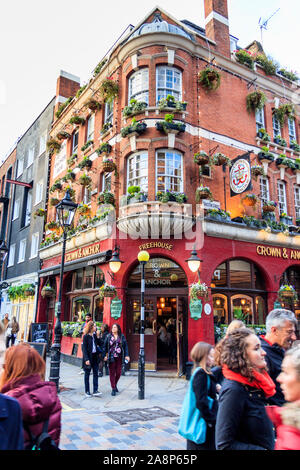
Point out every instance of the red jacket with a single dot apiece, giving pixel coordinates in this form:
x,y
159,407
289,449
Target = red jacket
x,y
38,400
286,420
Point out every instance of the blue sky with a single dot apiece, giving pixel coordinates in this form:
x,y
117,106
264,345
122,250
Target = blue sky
x,y
72,35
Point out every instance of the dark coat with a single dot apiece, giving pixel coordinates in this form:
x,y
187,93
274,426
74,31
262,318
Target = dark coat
x,y
274,358
218,374
123,344
87,348
39,401
242,421
11,425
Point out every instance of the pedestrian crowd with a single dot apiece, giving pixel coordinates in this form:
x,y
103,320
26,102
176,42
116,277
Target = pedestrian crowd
x,y
250,399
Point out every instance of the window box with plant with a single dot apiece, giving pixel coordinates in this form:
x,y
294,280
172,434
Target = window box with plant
x,y
171,196
280,141
199,290
218,214
109,89
170,102
47,291
106,127
284,162
290,75
286,219
104,149
63,135
69,176
40,213
267,63
53,145
220,159
107,291
168,125
295,146
52,226
253,222
86,162
57,186
250,200
72,159
203,192
106,197
255,100
135,195
283,112
77,120
265,155
263,135
245,57
136,127
63,106
134,107
84,209
257,170
209,78
88,144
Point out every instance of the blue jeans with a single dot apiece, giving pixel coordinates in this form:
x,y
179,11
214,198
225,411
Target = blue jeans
x,y
87,370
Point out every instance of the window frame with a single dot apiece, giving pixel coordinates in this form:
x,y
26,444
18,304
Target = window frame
x,y
108,111
165,175
34,244
141,93
75,147
39,192
282,202
20,167
135,181
164,91
276,127
260,118
264,181
297,201
16,211
22,244
292,126
12,254
90,132
30,156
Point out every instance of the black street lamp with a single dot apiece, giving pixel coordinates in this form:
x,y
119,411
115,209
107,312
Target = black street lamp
x,y
65,211
194,262
143,258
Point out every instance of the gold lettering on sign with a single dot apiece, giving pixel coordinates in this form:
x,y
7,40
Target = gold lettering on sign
x,y
277,252
83,252
295,254
163,245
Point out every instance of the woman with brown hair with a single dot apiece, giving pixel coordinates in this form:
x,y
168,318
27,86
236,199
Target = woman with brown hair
x,y
91,358
204,387
23,378
242,421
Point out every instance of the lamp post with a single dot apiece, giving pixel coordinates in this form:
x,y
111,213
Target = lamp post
x,y
65,209
143,258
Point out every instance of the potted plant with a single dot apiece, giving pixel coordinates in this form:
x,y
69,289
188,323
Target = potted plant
x,y
283,162
263,135
286,219
267,63
171,196
106,127
218,214
201,158
93,104
244,57
109,89
69,176
86,162
220,159
107,291
251,221
63,135
287,292
40,213
85,180
77,120
104,149
57,186
84,209
169,126
63,106
284,111
199,290
265,155
134,107
269,206
29,290
280,141
250,200
52,225
255,100
53,145
108,165
257,170
87,145
209,78
135,127
99,67
54,201
106,197
295,146
72,159
170,102
203,192
47,291
290,75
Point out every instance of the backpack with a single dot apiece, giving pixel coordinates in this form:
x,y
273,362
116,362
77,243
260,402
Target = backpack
x,y
41,442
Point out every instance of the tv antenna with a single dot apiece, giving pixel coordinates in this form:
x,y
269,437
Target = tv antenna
x,y
263,24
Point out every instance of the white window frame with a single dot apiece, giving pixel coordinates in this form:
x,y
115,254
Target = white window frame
x,y
163,86
281,191
264,190
20,167
16,212
11,256
90,127
137,170
108,112
34,249
87,196
30,156
292,129
106,182
138,86
28,209
43,140
297,201
169,177
22,251
39,192
75,147
260,118
276,127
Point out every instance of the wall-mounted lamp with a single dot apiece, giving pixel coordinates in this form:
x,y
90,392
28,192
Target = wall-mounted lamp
x,y
115,262
194,262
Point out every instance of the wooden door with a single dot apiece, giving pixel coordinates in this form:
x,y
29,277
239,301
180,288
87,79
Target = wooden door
x,y
133,331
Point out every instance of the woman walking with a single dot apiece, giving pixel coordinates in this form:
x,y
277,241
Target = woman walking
x,y
286,419
11,331
23,378
242,421
116,349
203,388
91,354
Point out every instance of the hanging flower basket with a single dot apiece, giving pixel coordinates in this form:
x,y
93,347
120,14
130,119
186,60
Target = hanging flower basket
x,y
209,78
53,145
57,186
109,89
220,159
53,226
199,290
287,292
29,290
107,291
54,201
77,120
106,198
201,158
257,170
203,192
269,206
255,100
63,135
250,200
85,180
83,209
108,165
93,104
104,149
40,213
47,291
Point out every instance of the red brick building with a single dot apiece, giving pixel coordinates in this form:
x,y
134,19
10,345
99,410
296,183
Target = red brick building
x,y
245,259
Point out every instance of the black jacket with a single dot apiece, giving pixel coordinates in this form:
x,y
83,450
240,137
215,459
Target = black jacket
x,y
242,421
274,358
123,344
201,392
218,374
87,347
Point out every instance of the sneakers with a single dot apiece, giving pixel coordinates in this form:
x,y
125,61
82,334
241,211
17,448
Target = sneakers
x,y
97,394
81,372
117,390
88,395
113,392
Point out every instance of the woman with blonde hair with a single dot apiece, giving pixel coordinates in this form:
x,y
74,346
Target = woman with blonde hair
x,y
203,386
23,378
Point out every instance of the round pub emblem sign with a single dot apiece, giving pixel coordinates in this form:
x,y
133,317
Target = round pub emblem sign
x,y
240,176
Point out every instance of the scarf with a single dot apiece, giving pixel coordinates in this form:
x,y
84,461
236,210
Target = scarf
x,y
115,346
261,380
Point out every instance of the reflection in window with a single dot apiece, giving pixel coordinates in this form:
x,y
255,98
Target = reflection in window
x,y
99,277
78,279
240,274
81,306
98,313
219,278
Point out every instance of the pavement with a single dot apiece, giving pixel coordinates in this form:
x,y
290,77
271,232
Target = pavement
x,y
121,422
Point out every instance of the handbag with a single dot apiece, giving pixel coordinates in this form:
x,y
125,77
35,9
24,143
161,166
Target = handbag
x,y
192,425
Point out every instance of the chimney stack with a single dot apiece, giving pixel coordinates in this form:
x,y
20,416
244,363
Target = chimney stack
x,y
217,24
66,86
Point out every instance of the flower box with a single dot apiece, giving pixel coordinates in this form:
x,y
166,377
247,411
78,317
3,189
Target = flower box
x,y
199,290
107,291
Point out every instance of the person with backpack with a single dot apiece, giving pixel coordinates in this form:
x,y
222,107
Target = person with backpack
x,y
23,378
116,349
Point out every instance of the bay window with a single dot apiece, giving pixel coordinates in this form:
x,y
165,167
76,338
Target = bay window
x,y
139,86
169,171
168,82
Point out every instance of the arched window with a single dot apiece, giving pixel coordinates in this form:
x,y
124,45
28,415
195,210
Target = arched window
x,y
139,86
137,170
168,82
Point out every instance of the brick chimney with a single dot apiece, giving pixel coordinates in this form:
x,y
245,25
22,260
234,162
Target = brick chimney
x,y
66,86
217,24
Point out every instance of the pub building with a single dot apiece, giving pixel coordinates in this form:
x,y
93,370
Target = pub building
x,y
154,184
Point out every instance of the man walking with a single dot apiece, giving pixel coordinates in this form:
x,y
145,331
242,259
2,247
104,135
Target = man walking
x,y
280,334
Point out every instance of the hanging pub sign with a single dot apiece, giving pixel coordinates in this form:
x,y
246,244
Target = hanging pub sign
x,y
116,308
240,175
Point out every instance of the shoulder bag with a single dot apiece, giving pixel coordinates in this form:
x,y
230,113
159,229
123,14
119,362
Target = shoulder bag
x,y
192,425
